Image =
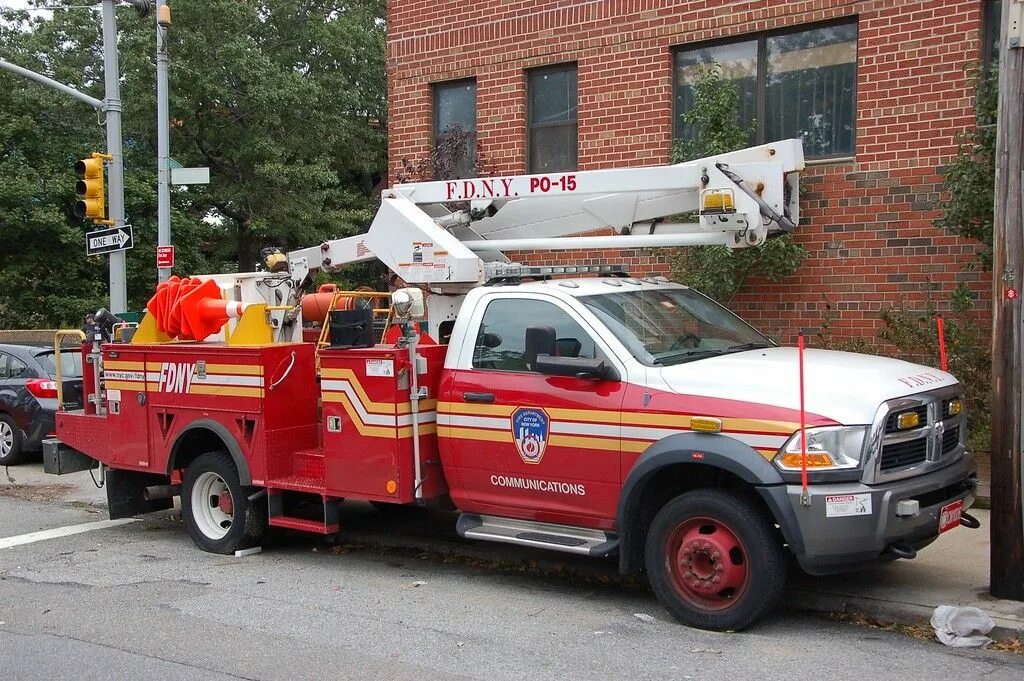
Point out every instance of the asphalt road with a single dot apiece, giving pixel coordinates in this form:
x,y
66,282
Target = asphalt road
x,y
140,601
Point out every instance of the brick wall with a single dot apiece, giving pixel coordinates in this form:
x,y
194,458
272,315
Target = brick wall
x,y
867,221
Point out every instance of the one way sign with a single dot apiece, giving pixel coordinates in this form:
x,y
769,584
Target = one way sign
x,y
108,240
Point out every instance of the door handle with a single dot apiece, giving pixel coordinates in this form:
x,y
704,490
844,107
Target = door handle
x,y
485,398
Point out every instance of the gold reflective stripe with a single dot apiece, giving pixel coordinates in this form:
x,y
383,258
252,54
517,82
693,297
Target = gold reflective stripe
x,y
237,369
123,366
377,431
626,418
474,434
223,391
475,409
334,373
608,444
126,385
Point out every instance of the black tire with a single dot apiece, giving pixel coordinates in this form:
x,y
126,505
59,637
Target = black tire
x,y
16,453
247,519
686,568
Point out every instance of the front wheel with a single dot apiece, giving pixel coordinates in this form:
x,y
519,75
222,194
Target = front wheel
x,y
714,560
216,508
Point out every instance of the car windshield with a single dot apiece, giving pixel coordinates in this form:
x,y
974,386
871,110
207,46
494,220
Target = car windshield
x,y
70,363
672,325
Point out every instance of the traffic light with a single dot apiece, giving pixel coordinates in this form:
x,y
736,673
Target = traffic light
x,y
91,203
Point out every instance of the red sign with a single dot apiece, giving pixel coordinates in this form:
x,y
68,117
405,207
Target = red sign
x,y
1011,294
164,257
949,516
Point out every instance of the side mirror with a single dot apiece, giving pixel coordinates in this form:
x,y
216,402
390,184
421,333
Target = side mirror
x,y
580,367
540,340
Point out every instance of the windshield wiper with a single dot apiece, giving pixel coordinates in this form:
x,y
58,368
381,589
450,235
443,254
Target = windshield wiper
x,y
748,346
687,356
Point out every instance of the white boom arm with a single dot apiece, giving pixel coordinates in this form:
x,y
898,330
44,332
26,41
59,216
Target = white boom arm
x,y
740,198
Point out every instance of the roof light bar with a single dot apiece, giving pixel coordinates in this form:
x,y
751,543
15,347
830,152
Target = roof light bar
x,y
510,271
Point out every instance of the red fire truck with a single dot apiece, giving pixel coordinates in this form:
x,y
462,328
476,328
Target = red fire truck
x,y
571,407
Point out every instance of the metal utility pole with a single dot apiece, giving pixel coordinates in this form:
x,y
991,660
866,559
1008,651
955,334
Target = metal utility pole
x,y
50,82
115,170
1007,531
163,133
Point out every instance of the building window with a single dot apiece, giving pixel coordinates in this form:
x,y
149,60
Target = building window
x,y
455,129
793,84
552,99
990,28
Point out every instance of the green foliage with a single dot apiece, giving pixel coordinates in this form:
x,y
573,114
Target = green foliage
x,y
715,129
713,120
914,334
970,177
284,101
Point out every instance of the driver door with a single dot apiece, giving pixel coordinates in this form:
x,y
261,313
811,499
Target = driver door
x,y
529,445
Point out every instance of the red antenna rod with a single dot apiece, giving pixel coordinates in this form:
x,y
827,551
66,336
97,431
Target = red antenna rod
x,y
805,495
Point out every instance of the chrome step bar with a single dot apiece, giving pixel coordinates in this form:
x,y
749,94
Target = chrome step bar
x,y
566,538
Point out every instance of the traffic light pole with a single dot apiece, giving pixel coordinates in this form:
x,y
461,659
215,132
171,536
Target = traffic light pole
x,y
115,170
163,132
50,82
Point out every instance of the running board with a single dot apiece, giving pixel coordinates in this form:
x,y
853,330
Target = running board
x,y
567,538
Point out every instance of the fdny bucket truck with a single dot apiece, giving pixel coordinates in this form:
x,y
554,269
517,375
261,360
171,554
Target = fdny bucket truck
x,y
626,418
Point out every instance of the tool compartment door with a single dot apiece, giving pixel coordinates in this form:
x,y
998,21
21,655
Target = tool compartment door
x,y
127,403
367,423
524,444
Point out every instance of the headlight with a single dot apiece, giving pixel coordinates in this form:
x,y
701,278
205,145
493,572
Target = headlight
x,y
828,448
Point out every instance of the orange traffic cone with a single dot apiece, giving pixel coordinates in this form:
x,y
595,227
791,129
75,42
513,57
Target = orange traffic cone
x,y
205,312
157,305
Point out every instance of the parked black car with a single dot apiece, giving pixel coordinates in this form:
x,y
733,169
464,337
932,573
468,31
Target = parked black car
x,y
28,396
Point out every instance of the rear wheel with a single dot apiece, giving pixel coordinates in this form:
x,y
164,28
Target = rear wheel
x,y
10,442
714,560
216,508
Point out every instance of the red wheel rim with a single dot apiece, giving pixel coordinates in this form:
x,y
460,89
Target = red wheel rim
x,y
707,563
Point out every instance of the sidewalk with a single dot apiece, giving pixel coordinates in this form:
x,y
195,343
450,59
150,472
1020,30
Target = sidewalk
x,y
952,571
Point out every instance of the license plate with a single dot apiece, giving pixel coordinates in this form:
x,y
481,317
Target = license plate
x,y
949,516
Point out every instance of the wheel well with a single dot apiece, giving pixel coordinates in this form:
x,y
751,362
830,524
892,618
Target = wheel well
x,y
665,484
193,444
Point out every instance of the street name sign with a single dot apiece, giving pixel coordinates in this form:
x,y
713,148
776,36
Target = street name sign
x,y
109,240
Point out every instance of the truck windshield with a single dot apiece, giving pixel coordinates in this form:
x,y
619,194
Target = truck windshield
x,y
671,326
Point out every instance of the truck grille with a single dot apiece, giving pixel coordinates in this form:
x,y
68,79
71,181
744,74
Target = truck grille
x,y
924,445
904,454
950,439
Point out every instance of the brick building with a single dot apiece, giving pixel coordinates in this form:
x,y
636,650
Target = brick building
x,y
877,88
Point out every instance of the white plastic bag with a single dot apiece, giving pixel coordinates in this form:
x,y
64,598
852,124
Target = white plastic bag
x,y
962,627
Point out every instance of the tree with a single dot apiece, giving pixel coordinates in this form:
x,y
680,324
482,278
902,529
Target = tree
x,y
970,177
283,100
715,128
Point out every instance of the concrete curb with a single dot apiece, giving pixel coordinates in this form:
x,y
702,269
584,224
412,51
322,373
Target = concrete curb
x,y
889,611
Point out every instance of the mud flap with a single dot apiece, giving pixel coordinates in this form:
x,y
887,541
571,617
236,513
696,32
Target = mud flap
x,y
125,493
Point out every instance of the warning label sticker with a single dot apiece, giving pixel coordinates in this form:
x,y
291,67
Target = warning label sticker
x,y
380,367
842,505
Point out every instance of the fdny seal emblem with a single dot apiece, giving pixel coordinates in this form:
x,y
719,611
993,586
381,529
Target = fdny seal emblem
x,y
530,431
